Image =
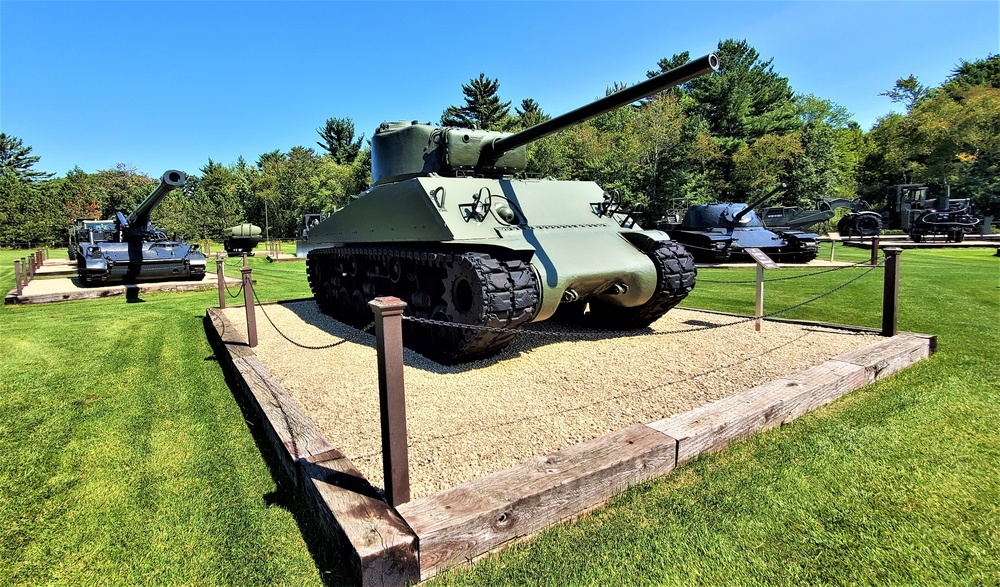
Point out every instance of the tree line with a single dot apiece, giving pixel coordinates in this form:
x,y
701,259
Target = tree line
x,y
730,136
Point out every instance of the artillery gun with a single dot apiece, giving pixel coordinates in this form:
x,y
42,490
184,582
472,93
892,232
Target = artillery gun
x,y
477,251
138,251
241,239
716,232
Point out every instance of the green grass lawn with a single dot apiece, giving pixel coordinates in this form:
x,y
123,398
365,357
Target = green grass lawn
x,y
125,460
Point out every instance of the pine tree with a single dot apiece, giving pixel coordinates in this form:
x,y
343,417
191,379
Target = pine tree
x,y
16,159
483,108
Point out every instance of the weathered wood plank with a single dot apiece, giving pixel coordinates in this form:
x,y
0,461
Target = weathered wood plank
x,y
712,426
376,542
461,523
380,545
892,354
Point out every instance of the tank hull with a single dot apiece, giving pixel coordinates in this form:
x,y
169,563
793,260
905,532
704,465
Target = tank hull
x,y
112,263
529,247
715,233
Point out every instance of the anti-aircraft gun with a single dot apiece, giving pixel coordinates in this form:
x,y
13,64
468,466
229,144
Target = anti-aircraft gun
x,y
138,250
452,227
718,231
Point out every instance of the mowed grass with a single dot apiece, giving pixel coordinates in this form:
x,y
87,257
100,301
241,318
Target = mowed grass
x,y
125,460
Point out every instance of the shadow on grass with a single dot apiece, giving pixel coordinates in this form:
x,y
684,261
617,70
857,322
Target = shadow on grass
x,y
326,554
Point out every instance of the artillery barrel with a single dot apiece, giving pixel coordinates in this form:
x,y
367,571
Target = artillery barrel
x,y
758,202
170,180
707,64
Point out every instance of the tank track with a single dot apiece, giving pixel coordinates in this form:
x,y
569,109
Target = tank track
x,y
675,278
466,288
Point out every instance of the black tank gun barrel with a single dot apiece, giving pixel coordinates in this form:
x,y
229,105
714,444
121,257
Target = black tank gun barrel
x,y
758,202
139,217
690,70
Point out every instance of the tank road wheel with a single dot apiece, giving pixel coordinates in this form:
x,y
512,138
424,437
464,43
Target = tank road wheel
x,y
958,235
471,288
478,290
675,278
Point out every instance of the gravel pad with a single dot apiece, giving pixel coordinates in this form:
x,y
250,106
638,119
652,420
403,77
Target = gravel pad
x,y
553,387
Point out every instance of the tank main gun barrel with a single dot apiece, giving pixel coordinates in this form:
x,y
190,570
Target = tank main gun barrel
x,y
758,202
690,70
139,217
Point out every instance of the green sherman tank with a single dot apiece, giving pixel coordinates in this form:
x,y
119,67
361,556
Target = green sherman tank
x,y
138,251
452,227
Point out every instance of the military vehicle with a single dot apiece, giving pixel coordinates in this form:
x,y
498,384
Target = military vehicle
x,y
718,232
308,221
241,239
89,231
453,227
861,221
138,250
909,207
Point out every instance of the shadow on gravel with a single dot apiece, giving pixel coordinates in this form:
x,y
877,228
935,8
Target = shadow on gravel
x,y
534,336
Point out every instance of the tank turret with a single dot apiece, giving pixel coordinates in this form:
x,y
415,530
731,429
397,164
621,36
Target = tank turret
x,y
478,252
401,150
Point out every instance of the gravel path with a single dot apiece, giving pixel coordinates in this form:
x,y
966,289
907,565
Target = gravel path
x,y
543,393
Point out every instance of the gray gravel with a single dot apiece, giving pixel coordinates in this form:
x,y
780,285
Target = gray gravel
x,y
541,394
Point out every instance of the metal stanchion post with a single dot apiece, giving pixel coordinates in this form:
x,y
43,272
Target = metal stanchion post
x,y
833,245
248,303
24,270
392,399
890,292
760,297
17,276
874,259
220,273
31,267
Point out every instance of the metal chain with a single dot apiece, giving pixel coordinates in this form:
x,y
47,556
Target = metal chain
x,y
307,347
600,333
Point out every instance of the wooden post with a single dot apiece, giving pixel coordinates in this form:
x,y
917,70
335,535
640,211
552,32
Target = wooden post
x,y
244,259
17,276
248,304
890,293
31,266
392,400
833,245
760,297
220,273
39,258
874,259
24,271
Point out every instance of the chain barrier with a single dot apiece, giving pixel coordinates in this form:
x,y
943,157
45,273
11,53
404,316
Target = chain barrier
x,y
350,338
601,333
267,269
830,270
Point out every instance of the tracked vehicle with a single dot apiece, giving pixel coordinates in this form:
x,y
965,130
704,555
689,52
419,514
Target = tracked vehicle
x,y
451,227
137,250
719,232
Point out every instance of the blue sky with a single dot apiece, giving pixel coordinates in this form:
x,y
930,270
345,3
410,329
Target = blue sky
x,y
161,85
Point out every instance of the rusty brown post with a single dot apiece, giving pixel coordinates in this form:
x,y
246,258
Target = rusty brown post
x,y
890,292
392,398
24,270
220,273
39,259
248,304
31,266
17,276
244,259
874,259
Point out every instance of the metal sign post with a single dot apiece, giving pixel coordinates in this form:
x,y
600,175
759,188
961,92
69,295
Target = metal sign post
x,y
763,262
